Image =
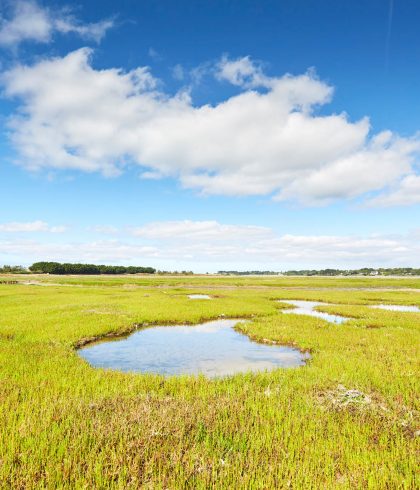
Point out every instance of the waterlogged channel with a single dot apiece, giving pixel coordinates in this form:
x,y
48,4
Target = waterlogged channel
x,y
307,308
212,348
414,309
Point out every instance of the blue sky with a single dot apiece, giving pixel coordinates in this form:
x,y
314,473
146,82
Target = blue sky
x,y
207,135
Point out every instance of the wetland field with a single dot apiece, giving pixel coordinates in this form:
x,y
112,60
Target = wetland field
x,y
345,417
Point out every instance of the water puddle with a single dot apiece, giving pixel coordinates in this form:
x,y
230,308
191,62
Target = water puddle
x,y
211,348
199,296
307,308
397,308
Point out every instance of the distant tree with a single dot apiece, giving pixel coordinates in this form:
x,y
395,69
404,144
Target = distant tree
x,y
13,269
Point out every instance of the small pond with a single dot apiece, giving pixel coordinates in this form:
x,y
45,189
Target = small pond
x,y
397,308
307,308
211,348
199,296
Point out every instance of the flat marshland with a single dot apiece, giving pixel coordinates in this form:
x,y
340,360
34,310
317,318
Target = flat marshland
x,y
347,419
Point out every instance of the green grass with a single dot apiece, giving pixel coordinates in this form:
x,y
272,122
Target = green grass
x,y
65,424
220,281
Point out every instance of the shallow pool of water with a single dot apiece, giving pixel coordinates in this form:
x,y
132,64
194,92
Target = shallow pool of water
x,y
397,308
212,348
307,308
199,296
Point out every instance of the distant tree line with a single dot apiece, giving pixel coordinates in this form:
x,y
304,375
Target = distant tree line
x,y
330,272
58,268
13,269
365,271
249,273
176,273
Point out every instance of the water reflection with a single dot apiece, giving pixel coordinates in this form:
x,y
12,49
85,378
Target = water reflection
x,y
307,308
397,307
212,348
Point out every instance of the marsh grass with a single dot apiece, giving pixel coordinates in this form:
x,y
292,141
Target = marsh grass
x,y
220,281
65,424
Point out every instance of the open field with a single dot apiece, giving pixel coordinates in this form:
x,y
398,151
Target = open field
x,y
65,424
217,281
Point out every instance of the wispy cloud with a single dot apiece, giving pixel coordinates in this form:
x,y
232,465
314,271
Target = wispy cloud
x,y
30,227
178,72
28,21
199,230
155,55
215,245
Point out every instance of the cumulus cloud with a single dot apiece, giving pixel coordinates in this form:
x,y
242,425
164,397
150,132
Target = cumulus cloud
x,y
242,72
383,160
258,142
31,22
405,193
30,227
209,245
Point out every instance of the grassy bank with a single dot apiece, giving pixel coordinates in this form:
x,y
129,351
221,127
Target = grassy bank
x,y
66,424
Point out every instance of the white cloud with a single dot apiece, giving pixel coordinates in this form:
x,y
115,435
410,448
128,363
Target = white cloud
x,y
95,30
213,246
371,169
30,227
111,251
178,72
31,22
255,143
199,230
242,72
405,193
211,240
